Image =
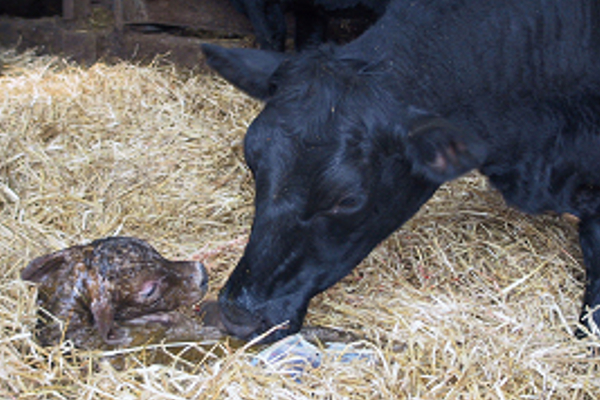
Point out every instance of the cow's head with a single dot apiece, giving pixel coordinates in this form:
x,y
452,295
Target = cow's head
x,y
339,163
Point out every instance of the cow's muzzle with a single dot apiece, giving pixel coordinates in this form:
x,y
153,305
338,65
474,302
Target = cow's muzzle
x,y
231,319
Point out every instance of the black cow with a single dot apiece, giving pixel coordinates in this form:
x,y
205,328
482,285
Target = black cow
x,y
311,18
354,139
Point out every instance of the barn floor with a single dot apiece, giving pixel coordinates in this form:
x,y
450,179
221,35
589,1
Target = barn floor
x,y
469,300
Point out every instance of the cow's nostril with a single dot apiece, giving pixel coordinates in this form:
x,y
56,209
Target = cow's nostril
x,y
238,321
230,319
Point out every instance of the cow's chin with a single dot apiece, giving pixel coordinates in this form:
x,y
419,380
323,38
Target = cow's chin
x,y
239,323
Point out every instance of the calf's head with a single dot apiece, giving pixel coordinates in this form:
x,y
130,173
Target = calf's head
x,y
91,289
339,162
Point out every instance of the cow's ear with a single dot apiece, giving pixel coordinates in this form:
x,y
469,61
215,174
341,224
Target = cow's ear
x,y
42,267
248,69
441,151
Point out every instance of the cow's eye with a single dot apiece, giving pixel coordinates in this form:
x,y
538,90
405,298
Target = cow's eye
x,y
348,202
347,205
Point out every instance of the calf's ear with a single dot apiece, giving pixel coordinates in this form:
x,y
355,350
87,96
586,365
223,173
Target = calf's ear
x,y
441,151
250,70
42,267
101,305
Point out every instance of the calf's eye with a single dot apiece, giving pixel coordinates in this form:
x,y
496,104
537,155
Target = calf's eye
x,y
149,290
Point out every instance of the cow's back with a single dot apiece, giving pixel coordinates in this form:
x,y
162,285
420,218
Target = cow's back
x,y
440,51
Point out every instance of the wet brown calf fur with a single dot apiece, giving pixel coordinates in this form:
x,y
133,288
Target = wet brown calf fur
x,y
92,294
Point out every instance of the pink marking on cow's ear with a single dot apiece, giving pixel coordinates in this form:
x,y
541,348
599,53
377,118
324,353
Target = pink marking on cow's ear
x,y
441,151
38,269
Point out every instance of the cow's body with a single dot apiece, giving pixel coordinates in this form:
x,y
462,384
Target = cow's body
x,y
354,139
311,18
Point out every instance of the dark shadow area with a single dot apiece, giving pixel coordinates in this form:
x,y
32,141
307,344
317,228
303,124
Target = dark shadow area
x,y
31,8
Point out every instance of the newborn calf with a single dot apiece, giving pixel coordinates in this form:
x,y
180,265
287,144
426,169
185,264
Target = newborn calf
x,y
93,294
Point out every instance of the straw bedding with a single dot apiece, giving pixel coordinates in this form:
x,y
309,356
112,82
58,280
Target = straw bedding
x,y
469,300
